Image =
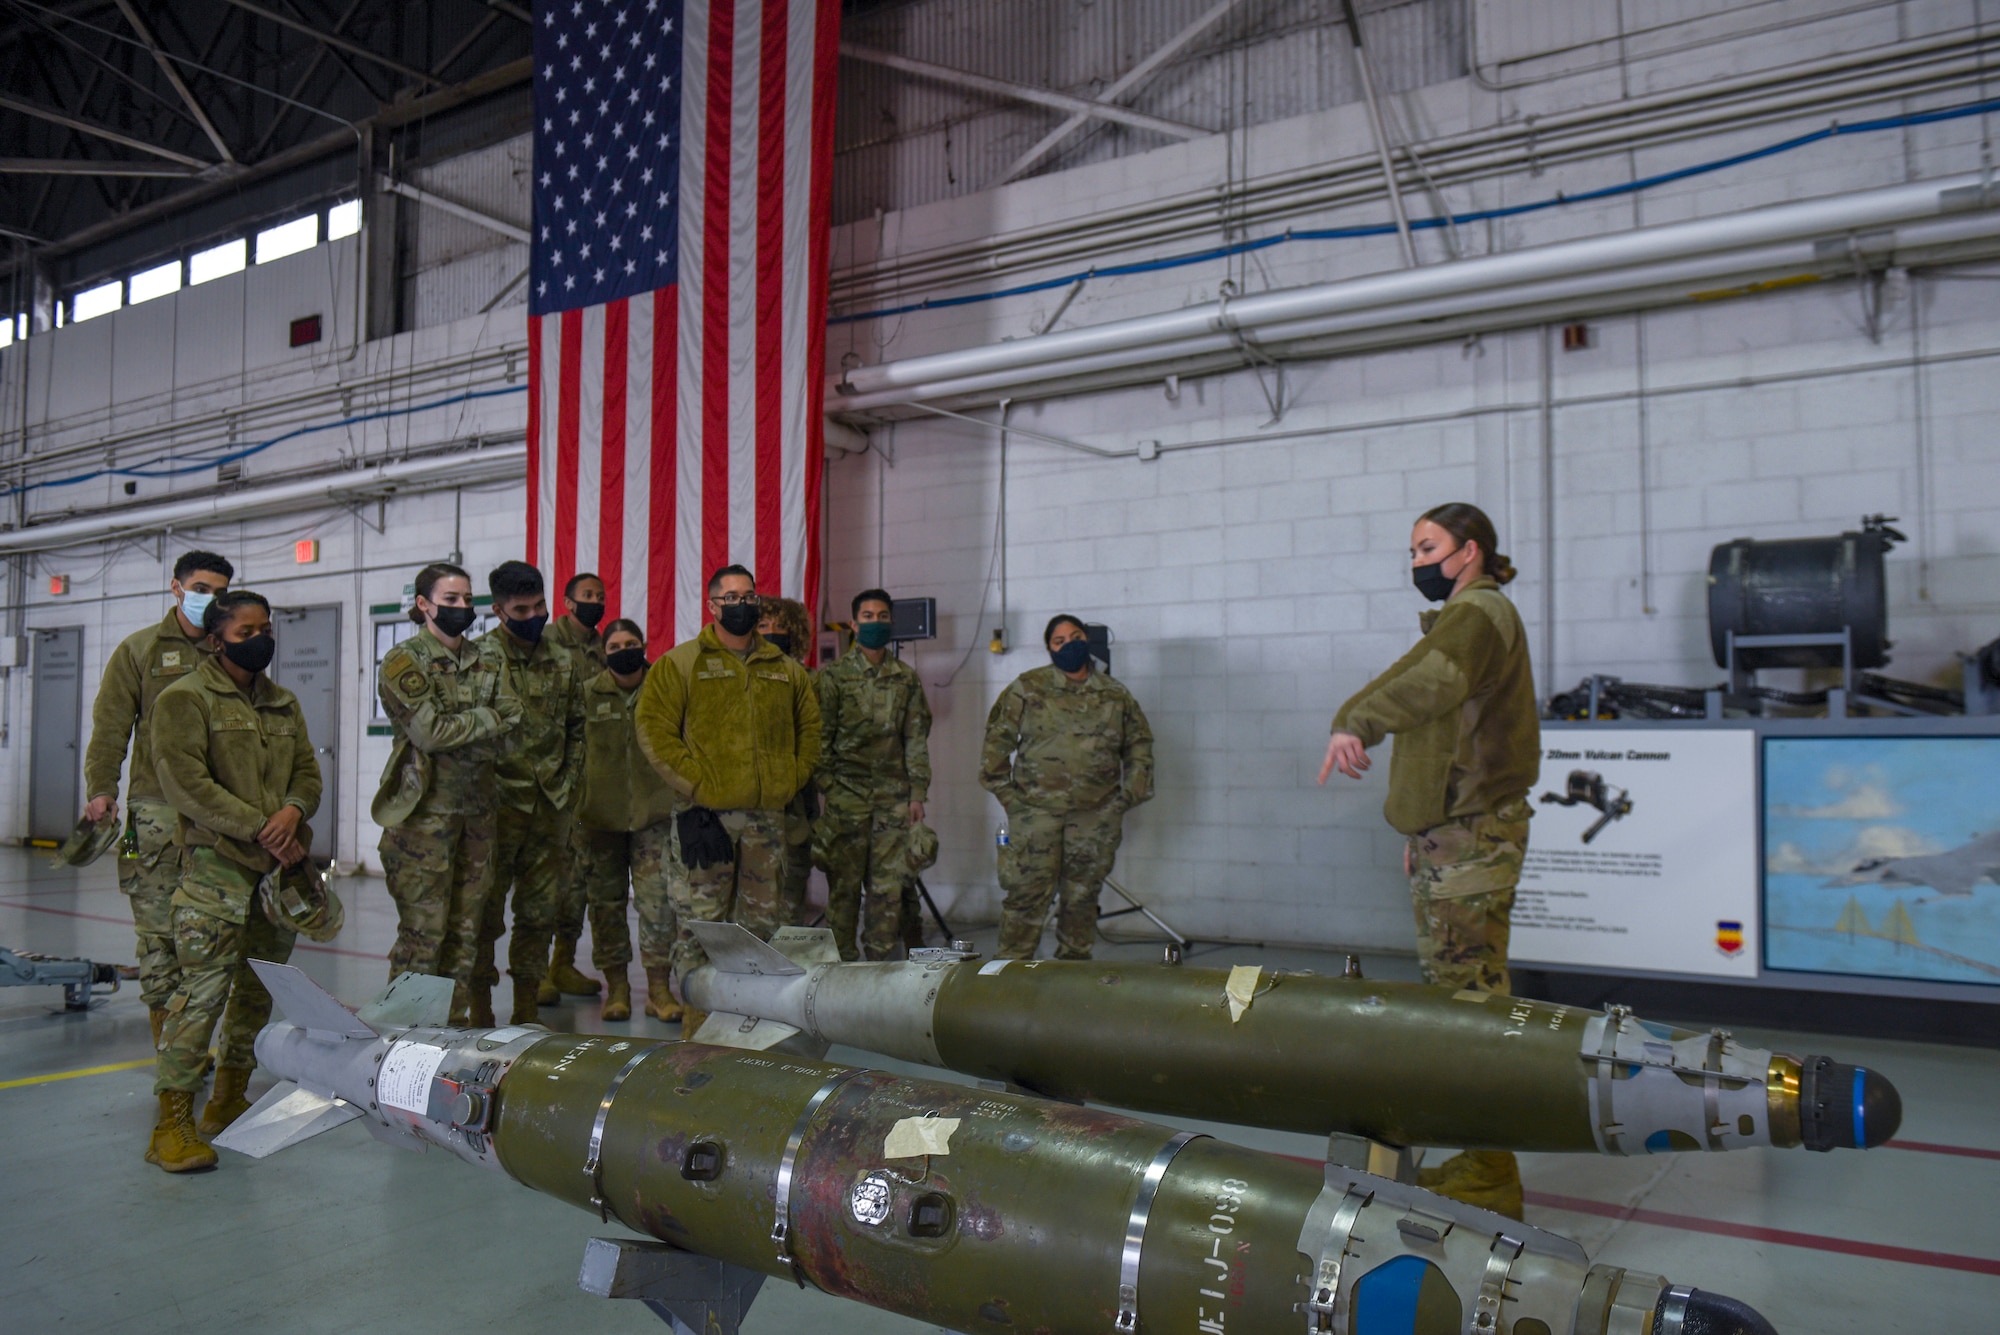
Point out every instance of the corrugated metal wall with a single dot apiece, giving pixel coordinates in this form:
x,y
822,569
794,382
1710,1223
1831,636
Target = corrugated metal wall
x,y
453,268
902,141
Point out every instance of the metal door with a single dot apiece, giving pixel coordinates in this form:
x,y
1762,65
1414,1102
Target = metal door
x,y
308,665
54,755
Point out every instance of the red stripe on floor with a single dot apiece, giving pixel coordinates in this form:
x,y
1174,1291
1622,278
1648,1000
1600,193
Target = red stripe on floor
x,y
127,922
1876,1251
1926,1147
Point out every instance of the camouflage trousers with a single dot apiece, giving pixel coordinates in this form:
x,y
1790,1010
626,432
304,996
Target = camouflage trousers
x,y
1063,856
1462,879
746,891
799,862
439,867
607,860
216,931
865,847
572,902
148,876
533,858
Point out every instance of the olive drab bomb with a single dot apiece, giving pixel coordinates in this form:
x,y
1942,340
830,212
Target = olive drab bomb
x,y
1393,1062
972,1209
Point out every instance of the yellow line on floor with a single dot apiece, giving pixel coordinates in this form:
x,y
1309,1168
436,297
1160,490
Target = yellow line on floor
x,y
72,1075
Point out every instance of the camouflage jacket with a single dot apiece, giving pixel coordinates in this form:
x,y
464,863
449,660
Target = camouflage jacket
x,y
145,663
730,733
1461,706
546,754
582,641
621,791
227,759
452,711
1060,745
875,728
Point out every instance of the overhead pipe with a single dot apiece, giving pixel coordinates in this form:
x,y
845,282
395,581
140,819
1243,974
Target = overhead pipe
x,y
1393,296
499,463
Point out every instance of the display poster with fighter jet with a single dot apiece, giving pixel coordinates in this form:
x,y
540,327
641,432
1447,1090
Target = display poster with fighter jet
x,y
1882,856
1642,853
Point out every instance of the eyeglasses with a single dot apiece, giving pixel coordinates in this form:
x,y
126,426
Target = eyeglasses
x,y
736,599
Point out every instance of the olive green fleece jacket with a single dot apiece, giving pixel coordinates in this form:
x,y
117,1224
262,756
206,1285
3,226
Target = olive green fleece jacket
x,y
730,733
1461,705
145,663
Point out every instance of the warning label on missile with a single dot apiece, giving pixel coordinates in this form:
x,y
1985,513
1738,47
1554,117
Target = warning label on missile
x,y
405,1081
1642,840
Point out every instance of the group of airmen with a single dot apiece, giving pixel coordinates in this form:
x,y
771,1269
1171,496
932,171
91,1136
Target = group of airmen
x,y
549,767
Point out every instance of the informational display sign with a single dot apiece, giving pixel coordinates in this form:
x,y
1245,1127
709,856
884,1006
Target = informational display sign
x,y
1881,856
1643,852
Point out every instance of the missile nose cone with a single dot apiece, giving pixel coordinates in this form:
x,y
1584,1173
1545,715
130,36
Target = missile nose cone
x,y
1846,1107
1711,1314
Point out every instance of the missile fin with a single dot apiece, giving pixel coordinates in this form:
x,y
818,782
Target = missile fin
x,y
308,1005
281,1119
733,949
722,1030
412,1000
806,945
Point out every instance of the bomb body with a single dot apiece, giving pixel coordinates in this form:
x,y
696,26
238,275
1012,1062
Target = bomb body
x,y
1400,1063
1014,1214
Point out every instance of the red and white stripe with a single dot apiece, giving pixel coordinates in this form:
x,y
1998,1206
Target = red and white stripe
x,y
677,431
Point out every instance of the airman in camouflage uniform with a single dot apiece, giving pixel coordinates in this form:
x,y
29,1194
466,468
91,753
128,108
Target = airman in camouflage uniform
x,y
452,711
787,624
537,781
875,772
144,664
578,631
733,726
235,762
1461,706
1068,752
625,834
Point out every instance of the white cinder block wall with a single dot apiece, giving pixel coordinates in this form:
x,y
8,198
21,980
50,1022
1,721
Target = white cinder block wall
x,y
1252,586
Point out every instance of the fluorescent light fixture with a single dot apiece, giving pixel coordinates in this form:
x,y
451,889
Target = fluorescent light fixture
x,y
100,300
156,282
343,220
227,258
288,238
7,334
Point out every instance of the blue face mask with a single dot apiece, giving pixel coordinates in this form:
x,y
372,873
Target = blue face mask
x,y
1072,656
194,606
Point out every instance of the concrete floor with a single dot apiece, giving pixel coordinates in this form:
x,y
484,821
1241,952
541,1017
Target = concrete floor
x,y
342,1234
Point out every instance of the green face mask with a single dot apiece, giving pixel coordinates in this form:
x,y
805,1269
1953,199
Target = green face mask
x,y
872,634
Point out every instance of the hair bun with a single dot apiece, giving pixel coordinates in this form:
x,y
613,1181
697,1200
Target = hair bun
x,y
1501,569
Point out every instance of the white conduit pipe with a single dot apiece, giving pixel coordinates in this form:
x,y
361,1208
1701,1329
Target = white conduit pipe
x,y
1252,316
498,463
1744,265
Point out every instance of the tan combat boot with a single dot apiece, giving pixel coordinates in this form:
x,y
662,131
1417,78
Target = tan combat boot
x,y
527,1009
660,1003
175,1146
618,995
1489,1179
157,1015
563,973
546,994
226,1102
479,1006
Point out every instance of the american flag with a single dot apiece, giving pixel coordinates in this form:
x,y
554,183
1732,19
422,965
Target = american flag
x,y
677,304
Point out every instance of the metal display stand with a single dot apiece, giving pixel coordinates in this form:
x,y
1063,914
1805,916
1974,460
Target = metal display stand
x,y
1134,906
694,1295
1742,678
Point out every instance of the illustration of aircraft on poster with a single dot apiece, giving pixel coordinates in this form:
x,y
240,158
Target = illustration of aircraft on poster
x,y
1882,857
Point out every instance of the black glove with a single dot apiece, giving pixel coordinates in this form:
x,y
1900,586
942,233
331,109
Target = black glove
x,y
704,843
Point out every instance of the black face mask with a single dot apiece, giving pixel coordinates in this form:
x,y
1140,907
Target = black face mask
x,y
625,662
782,640
1072,656
252,655
453,622
740,618
589,613
1431,581
528,628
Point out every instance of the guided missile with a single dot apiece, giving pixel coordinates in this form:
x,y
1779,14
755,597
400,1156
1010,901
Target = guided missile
x,y
976,1210
1398,1063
